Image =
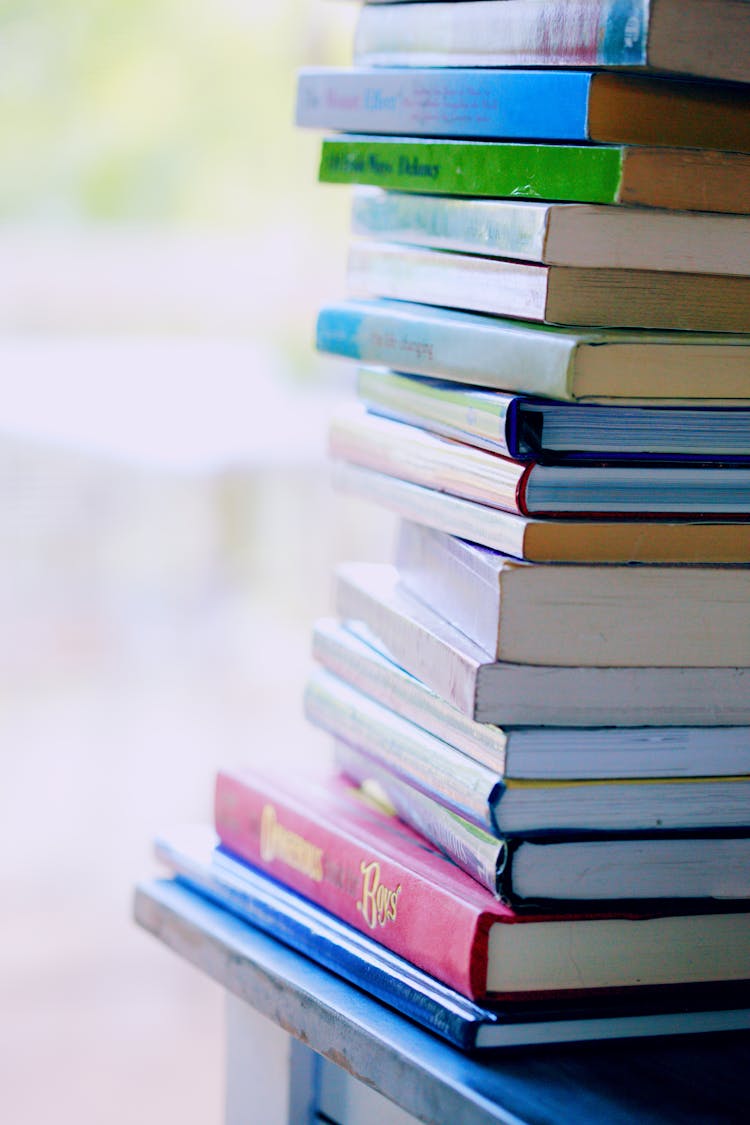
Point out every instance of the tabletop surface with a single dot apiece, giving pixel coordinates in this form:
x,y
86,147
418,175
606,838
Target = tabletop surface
x,y
684,1079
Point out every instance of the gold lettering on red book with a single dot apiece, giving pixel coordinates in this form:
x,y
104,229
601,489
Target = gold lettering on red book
x,y
278,842
378,903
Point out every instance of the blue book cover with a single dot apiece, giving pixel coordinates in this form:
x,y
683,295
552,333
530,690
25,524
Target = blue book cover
x,y
544,105
229,887
534,429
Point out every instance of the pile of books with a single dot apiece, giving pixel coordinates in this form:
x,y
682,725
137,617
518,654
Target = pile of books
x,y
540,827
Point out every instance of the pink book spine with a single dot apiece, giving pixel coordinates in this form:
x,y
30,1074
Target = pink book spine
x,y
311,851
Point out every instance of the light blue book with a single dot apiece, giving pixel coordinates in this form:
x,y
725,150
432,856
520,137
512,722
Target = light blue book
x,y
551,105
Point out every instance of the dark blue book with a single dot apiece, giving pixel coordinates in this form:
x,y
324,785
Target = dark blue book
x,y
200,864
546,431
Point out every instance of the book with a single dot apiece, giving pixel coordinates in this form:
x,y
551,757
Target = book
x,y
534,753
532,808
685,36
558,234
558,492
322,839
575,364
574,295
681,179
552,105
579,615
550,540
535,429
194,855
525,871
374,604
213,916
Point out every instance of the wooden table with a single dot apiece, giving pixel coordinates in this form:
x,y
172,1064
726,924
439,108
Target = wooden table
x,y
329,1034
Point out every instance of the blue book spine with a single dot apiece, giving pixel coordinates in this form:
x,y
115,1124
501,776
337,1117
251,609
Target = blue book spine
x,y
430,102
218,875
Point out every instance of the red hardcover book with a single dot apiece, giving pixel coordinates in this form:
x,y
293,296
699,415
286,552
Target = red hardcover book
x,y
322,838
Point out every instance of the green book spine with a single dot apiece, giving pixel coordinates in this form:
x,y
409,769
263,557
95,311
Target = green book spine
x,y
567,172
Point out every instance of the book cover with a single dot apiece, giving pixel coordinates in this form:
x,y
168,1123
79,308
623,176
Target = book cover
x,y
551,105
618,615
212,924
535,429
193,854
373,603
525,807
562,234
356,860
679,178
563,295
555,492
551,540
685,36
563,870
537,752
584,364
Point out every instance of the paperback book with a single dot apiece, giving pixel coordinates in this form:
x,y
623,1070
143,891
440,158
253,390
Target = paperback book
x,y
562,870
681,179
530,752
373,603
571,364
605,616
686,36
551,105
564,295
533,808
558,234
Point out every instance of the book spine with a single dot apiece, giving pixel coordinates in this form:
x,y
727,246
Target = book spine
x,y
526,171
485,351
361,665
496,228
475,851
413,455
440,573
515,32
447,103
441,407
356,881
410,644
418,758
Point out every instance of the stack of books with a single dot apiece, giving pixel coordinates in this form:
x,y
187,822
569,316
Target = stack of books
x,y
540,828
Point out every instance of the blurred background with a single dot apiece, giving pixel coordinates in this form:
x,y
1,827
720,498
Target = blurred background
x,y
167,530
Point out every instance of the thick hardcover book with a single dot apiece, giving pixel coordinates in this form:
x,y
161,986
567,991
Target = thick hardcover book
x,y
684,36
536,429
584,364
580,615
210,919
412,454
550,540
534,753
533,809
371,600
558,234
565,295
684,179
322,839
553,105
560,869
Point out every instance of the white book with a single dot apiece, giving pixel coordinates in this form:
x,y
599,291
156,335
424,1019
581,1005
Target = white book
x,y
370,596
